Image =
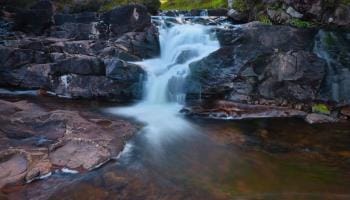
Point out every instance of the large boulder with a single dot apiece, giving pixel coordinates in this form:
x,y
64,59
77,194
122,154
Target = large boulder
x,y
292,76
142,44
129,18
259,62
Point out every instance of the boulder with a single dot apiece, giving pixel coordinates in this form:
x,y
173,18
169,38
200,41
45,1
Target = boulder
x,y
293,76
123,71
129,18
252,65
314,118
237,16
76,31
141,44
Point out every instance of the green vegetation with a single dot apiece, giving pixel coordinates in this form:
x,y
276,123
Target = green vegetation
x,y
329,39
195,4
321,108
152,5
300,23
240,5
264,19
345,2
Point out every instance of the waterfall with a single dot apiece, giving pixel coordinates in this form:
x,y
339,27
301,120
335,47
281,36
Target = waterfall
x,y
164,93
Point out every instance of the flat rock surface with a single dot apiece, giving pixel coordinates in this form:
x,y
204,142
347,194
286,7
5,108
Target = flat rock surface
x,y
35,140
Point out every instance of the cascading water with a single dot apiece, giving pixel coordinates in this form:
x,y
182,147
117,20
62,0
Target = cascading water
x,y
164,94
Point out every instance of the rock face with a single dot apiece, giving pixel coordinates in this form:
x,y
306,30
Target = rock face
x,y
335,13
35,141
38,18
252,65
69,54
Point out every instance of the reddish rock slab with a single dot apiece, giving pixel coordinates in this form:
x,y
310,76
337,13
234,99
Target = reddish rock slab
x,y
232,110
36,140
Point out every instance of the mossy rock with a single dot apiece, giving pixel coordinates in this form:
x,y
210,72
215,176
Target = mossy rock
x,y
321,108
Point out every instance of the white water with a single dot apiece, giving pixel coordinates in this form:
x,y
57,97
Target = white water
x,y
164,89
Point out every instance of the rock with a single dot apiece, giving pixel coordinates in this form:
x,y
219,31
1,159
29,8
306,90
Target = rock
x,y
253,65
142,44
13,168
236,15
278,16
85,18
32,76
36,19
129,18
293,76
314,118
79,64
342,15
232,110
294,13
74,139
83,86
76,31
345,111
217,12
123,71
331,46
79,155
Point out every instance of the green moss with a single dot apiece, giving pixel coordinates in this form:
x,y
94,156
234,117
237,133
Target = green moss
x,y
240,5
196,4
345,2
264,19
321,108
329,39
300,23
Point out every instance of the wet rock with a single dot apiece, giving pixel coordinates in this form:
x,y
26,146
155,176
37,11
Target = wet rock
x,y
123,71
78,140
314,118
79,155
13,168
253,65
232,110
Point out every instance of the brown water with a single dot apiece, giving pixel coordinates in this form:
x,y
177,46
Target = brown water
x,y
252,159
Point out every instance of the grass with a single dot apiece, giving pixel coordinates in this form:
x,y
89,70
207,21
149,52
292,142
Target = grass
x,y
321,108
264,19
194,4
300,23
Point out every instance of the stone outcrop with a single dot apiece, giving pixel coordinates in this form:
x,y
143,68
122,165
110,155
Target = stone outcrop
x,y
69,54
35,141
